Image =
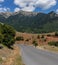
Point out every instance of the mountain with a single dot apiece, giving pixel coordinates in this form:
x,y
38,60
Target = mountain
x,y
31,21
5,14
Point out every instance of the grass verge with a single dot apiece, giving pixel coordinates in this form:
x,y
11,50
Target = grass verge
x,y
1,60
48,48
18,61
12,57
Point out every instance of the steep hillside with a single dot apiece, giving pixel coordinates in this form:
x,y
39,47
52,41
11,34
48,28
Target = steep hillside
x,y
32,22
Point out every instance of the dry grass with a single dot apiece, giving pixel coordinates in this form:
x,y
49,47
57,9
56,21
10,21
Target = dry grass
x,y
42,42
10,57
4,54
18,61
48,48
51,48
32,37
1,60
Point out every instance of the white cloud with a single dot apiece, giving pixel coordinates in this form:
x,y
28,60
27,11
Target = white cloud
x,y
4,9
17,9
57,11
29,9
45,4
1,0
27,5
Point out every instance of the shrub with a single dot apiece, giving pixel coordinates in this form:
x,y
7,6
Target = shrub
x,y
53,43
8,42
42,36
48,35
1,38
8,30
7,35
44,39
27,40
19,38
38,36
35,43
56,34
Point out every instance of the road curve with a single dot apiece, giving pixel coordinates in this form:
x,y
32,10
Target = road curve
x,y
33,56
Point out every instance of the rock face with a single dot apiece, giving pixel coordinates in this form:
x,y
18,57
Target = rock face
x,y
5,14
31,21
8,14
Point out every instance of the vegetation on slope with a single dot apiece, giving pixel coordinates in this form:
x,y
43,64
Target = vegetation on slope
x,y
7,35
53,43
32,22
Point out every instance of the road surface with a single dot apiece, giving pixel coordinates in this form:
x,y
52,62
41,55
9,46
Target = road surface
x,y
33,56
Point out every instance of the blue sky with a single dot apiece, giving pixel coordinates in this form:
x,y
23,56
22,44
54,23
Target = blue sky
x,y
29,5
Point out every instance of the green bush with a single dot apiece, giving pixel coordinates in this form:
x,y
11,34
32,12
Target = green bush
x,y
19,38
7,35
53,43
42,36
35,43
38,36
27,40
1,38
56,34
48,35
8,30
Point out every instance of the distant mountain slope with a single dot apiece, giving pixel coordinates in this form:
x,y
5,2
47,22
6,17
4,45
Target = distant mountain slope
x,y
31,21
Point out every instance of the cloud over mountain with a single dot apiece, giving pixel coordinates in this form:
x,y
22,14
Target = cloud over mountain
x,y
30,5
1,1
4,9
17,9
57,11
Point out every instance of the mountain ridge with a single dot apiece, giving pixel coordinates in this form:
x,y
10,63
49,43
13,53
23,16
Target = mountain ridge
x,y
8,14
32,21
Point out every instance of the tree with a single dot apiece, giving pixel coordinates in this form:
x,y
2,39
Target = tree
x,y
8,30
1,38
8,40
7,35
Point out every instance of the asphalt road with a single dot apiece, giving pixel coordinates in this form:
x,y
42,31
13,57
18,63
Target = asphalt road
x,y
33,56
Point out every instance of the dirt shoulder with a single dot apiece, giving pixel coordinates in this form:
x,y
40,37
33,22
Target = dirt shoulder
x,y
10,57
48,48
42,42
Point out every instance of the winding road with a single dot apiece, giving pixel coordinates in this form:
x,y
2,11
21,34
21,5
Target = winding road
x,y
33,56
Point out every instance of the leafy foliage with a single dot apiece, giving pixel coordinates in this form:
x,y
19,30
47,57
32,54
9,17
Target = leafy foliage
x,y
19,38
42,36
27,40
7,35
56,34
48,35
35,43
1,38
53,43
38,36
